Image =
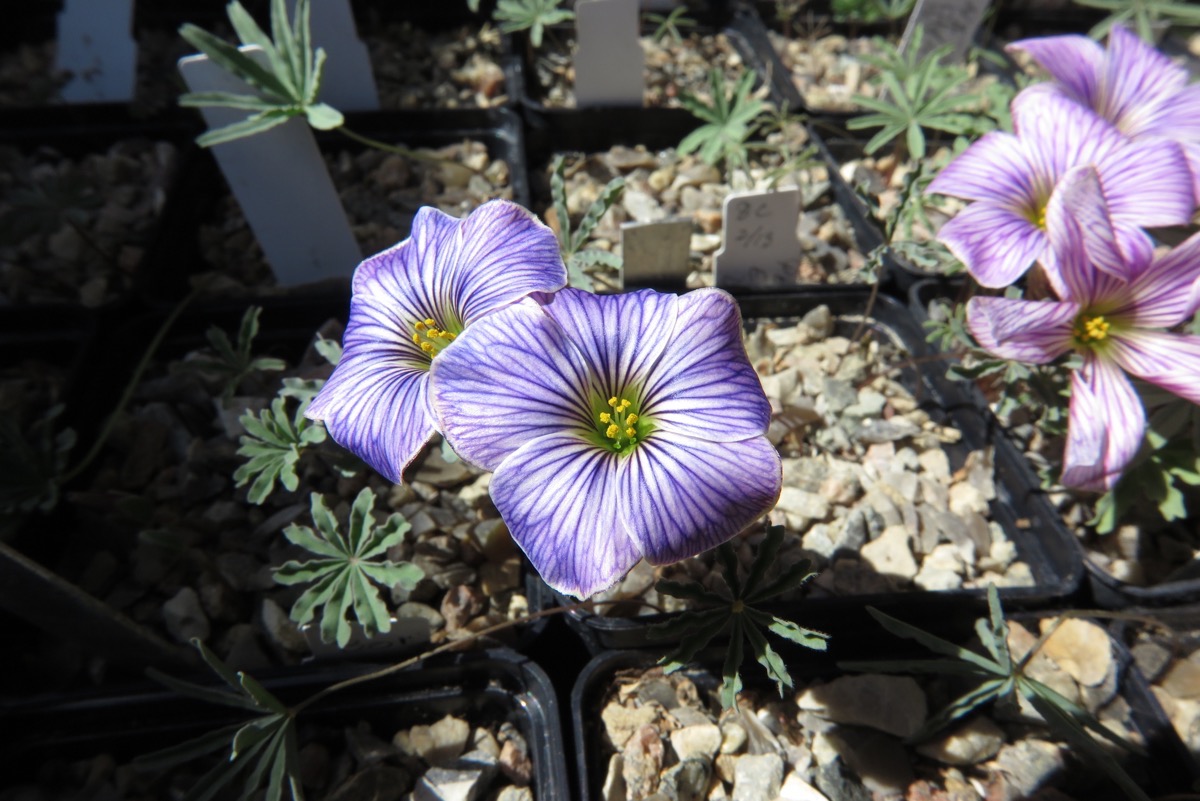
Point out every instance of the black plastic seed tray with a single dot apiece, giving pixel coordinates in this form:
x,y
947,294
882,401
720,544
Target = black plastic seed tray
x,y
1025,514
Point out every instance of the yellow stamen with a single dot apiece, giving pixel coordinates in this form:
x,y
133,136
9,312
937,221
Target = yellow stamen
x,y
419,326
427,347
429,337
605,417
613,431
612,401
1092,329
631,419
429,321
417,339
629,432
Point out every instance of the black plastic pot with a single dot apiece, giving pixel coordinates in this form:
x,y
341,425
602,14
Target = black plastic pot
x,y
489,688
1166,768
1027,517
175,256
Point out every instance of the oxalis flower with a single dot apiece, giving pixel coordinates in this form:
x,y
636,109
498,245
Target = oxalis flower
x,y
1117,326
409,305
1011,179
1132,85
619,427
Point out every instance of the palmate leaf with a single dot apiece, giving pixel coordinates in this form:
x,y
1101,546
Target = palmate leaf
x,y
729,121
746,624
274,442
287,86
234,363
264,747
530,15
1146,15
343,577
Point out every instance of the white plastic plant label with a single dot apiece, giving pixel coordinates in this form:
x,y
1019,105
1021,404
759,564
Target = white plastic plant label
x,y
347,83
96,45
945,21
609,58
655,253
760,248
282,185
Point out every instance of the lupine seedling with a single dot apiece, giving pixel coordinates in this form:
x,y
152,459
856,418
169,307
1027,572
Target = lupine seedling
x,y
232,362
737,614
274,442
1002,679
729,121
1146,15
531,15
260,750
581,261
346,568
669,25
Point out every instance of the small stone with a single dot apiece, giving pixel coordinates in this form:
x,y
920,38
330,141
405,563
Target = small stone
x,y
808,505
437,744
818,323
733,737
977,740
643,758
621,722
892,704
696,742
515,794
796,789
184,616
1083,650
614,781
1026,766
281,629
460,604
642,207
687,781
514,761
890,554
757,777
1182,679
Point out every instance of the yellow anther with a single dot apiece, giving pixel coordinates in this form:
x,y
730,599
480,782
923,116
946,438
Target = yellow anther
x,y
420,326
612,401
631,419
416,339
1093,329
427,347
433,333
613,431
605,417
629,432
451,336
429,321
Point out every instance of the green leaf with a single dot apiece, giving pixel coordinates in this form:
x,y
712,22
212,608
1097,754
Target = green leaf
x,y
324,117
731,680
175,755
935,643
255,124
730,120
699,629
598,208
960,707
816,640
274,441
690,591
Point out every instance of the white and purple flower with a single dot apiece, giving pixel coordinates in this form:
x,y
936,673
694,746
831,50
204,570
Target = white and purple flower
x,y
409,305
1011,179
619,427
1117,325
1132,85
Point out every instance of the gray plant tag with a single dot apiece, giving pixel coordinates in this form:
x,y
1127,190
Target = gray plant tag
x,y
95,44
945,21
656,253
608,58
282,185
760,247
348,83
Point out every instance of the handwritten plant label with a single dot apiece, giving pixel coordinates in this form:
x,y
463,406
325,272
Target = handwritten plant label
x,y
609,58
952,21
347,82
760,247
96,45
282,185
655,253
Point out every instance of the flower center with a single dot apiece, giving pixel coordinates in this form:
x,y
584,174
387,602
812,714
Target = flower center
x,y
621,427
1037,215
429,337
1091,328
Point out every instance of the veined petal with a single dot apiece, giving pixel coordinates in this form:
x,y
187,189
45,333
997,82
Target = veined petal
x,y
559,496
1058,133
1147,183
1033,331
1138,84
506,254
375,406
1074,61
619,336
997,244
415,278
511,377
681,496
1171,361
1106,422
703,384
1167,292
994,168
1081,235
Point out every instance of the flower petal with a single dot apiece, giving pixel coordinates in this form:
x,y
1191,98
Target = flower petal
x,y
1105,426
1089,265
375,405
994,168
997,244
506,254
1167,292
1030,331
703,384
681,496
1074,61
1138,85
1172,361
620,336
559,496
510,377
1147,183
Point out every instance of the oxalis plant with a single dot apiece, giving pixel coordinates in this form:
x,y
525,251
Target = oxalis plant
x,y
1064,231
582,262
1002,680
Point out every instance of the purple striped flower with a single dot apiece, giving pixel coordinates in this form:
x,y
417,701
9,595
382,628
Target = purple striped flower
x,y
1130,84
410,303
619,427
1011,179
1118,326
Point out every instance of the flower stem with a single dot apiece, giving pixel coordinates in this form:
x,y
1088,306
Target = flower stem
x,y
111,421
400,150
